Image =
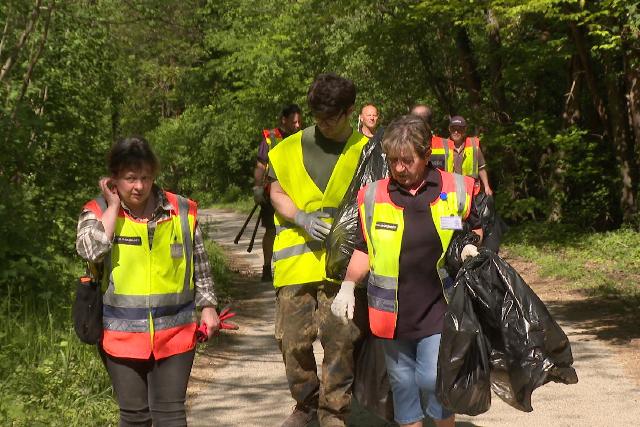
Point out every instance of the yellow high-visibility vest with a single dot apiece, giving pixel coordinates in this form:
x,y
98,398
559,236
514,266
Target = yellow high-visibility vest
x,y
297,257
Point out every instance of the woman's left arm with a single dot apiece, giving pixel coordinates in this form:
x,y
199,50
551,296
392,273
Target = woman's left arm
x,y
204,286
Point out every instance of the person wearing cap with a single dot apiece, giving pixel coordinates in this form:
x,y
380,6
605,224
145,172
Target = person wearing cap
x,y
467,155
368,120
311,172
405,225
290,123
441,147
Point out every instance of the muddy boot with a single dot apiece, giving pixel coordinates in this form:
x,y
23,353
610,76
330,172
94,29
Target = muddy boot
x,y
300,417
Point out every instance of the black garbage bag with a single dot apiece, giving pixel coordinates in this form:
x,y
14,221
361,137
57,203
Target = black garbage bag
x,y
458,242
340,242
527,348
463,380
493,226
371,386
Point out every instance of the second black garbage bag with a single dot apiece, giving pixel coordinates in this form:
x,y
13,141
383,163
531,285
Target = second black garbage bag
x,y
496,322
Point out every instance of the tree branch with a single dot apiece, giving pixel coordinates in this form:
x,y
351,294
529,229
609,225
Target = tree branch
x,y
10,62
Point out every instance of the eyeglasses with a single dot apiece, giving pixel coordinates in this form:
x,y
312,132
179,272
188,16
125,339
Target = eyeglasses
x,y
458,129
328,121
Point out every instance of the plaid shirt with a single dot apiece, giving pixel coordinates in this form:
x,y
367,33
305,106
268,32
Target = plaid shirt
x,y
92,245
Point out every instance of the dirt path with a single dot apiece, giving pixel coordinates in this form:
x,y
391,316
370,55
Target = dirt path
x,y
239,379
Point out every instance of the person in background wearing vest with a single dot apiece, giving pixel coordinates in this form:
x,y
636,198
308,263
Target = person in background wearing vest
x,y
406,223
368,120
440,147
155,273
290,123
311,171
467,156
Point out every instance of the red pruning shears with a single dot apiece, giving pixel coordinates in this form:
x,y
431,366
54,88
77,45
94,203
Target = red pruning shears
x,y
202,332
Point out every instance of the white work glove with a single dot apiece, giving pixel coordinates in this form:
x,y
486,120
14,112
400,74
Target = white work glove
x,y
258,195
313,224
468,251
344,303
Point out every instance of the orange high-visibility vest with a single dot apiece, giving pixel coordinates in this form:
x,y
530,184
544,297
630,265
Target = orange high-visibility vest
x,y
149,298
442,153
383,227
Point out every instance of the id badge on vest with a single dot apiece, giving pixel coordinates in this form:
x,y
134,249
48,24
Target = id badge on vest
x,y
176,250
451,222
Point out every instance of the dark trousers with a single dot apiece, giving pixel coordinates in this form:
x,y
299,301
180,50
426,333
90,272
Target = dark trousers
x,y
150,390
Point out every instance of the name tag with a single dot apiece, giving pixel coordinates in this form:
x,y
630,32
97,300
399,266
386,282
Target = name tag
x,y
451,223
126,240
176,250
386,226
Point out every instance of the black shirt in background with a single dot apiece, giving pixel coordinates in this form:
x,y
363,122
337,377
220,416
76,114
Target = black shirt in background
x,y
421,305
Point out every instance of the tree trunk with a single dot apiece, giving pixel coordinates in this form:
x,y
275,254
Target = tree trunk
x,y
434,81
495,67
620,134
11,60
469,67
570,117
582,49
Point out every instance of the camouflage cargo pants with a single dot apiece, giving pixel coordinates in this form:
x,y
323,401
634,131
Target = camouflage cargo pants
x,y
303,313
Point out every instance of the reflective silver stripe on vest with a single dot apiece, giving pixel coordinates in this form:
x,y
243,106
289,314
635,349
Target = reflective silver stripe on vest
x,y
287,226
381,304
124,325
102,203
179,319
291,251
274,139
183,208
135,301
461,194
369,205
445,144
443,274
384,282
474,166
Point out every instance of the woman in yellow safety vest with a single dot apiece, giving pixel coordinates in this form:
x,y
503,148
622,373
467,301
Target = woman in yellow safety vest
x,y
406,224
155,272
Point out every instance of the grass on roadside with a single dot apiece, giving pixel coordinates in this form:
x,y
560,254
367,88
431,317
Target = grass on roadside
x,y
603,264
243,205
49,378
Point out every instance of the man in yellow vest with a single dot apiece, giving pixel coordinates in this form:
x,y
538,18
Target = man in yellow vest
x,y
467,156
290,123
310,173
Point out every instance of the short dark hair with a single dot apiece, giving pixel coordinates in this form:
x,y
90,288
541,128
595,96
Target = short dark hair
x,y
290,109
132,152
330,95
404,131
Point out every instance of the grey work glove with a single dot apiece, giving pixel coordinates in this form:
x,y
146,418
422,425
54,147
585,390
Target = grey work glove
x,y
468,251
344,302
258,195
313,224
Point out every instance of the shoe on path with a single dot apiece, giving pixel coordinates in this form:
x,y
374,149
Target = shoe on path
x,y
300,417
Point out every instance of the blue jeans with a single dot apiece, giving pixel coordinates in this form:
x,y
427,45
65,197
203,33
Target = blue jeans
x,y
412,369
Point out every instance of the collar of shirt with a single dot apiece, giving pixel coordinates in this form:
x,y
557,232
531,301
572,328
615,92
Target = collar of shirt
x,y
162,203
430,180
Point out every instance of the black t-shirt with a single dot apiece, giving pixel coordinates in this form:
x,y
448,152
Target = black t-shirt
x,y
421,304
319,155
